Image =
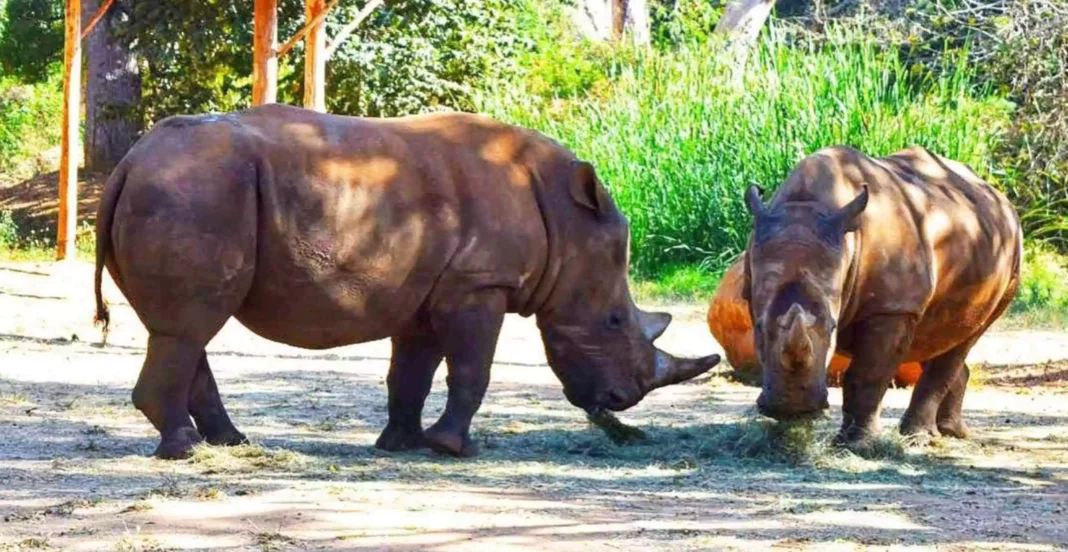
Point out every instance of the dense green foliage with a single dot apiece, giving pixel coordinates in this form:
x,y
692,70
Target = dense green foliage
x,y
407,57
1044,283
677,140
674,132
422,55
1018,46
30,120
31,37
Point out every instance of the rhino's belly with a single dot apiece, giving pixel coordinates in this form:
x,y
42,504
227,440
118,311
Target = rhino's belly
x,y
950,321
330,310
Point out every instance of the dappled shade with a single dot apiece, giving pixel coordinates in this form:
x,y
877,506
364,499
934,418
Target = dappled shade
x,y
731,325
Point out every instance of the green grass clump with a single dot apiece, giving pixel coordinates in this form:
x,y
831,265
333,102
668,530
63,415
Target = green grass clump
x,y
18,244
1042,299
682,283
678,139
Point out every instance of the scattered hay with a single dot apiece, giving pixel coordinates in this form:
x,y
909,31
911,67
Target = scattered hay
x,y
29,543
137,543
63,509
137,507
208,493
15,399
244,459
619,432
273,541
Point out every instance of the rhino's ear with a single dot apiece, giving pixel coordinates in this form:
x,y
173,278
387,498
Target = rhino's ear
x,y
586,190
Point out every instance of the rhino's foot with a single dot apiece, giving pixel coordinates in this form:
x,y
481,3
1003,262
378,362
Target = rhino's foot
x,y
231,438
953,428
856,435
178,445
396,439
919,427
451,443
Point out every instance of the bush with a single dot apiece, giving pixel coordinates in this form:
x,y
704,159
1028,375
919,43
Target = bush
x,y
1036,153
677,142
1043,281
9,231
422,55
677,22
407,57
31,37
1019,47
30,119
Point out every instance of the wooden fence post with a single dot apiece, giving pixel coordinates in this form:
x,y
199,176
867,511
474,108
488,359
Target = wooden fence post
x,y
315,57
264,55
68,162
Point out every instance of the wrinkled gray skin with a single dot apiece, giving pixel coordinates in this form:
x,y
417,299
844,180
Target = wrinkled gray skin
x,y
319,231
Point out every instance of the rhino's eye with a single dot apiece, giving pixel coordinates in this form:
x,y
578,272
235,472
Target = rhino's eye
x,y
614,321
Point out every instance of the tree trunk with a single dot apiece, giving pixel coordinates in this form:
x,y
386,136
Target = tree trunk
x,y
593,19
741,24
636,21
113,91
611,19
743,20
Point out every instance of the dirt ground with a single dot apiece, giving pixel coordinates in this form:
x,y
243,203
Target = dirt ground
x,y
74,473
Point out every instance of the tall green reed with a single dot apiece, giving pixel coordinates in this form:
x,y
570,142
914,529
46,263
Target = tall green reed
x,y
677,139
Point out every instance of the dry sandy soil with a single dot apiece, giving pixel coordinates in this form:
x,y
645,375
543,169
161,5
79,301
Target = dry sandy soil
x,y
74,473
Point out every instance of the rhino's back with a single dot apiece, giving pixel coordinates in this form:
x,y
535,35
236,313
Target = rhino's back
x,y
362,219
935,241
973,239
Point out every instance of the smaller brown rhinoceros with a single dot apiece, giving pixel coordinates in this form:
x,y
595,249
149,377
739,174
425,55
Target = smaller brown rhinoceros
x,y
319,231
909,257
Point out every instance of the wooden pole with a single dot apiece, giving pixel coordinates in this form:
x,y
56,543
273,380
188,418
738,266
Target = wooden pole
x,y
264,56
315,56
68,162
293,40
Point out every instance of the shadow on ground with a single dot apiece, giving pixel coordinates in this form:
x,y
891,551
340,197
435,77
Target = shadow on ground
x,y
73,456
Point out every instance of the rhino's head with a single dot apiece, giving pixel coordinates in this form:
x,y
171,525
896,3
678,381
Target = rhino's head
x,y
796,266
598,342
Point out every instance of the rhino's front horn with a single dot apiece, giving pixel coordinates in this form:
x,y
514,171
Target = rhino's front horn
x,y
671,370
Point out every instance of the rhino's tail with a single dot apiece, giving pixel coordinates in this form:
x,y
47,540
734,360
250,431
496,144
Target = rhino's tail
x,y
104,217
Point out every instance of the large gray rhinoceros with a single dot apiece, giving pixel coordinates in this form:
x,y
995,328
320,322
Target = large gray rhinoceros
x,y
319,231
905,258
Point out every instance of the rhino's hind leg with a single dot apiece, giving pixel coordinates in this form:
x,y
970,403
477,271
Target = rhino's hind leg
x,y
936,401
206,407
950,420
468,331
162,390
411,373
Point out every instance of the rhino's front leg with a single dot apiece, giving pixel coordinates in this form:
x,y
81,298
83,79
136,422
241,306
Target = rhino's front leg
x,y
416,357
467,328
881,343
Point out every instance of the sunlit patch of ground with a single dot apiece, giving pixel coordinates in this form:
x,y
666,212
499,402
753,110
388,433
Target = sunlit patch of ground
x,y
74,475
